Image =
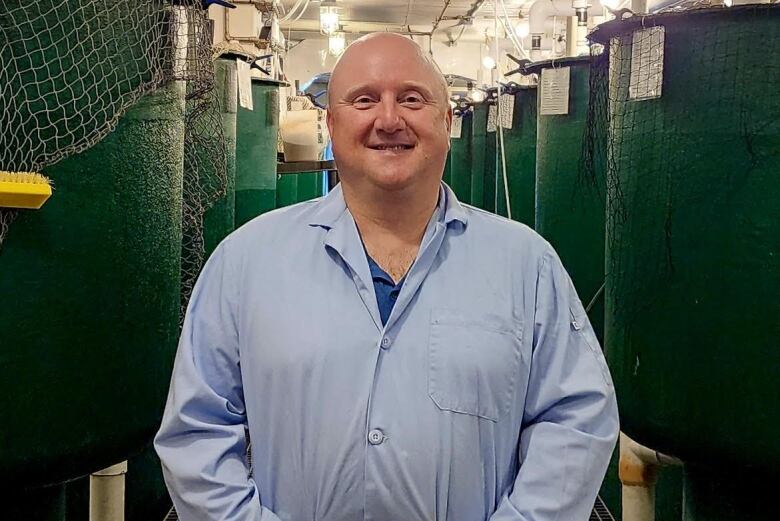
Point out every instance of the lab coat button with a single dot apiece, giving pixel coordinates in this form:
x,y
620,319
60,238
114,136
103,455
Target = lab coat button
x,y
375,437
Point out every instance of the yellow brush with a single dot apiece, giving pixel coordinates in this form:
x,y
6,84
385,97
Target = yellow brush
x,y
23,190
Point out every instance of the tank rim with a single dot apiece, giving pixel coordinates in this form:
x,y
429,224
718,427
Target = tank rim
x,y
269,81
602,33
536,67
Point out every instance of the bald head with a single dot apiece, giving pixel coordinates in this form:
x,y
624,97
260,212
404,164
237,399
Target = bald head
x,y
389,50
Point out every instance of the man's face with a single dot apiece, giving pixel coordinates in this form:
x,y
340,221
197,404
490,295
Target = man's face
x,y
388,116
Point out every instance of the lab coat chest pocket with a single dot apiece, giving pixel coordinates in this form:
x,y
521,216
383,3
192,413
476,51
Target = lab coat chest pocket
x,y
474,363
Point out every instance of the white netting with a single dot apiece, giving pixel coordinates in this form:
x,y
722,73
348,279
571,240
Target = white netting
x,y
69,69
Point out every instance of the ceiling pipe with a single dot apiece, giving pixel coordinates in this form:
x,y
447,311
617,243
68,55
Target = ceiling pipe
x,y
440,17
352,27
541,10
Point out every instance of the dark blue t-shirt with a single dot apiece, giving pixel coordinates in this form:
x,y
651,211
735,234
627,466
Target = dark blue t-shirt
x,y
386,290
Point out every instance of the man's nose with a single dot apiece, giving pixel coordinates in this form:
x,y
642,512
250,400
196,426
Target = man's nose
x,y
389,118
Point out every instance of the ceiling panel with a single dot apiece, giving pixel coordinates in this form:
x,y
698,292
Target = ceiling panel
x,y
403,12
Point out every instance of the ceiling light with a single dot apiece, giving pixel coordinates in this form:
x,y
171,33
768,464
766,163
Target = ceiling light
x,y
488,62
337,42
329,17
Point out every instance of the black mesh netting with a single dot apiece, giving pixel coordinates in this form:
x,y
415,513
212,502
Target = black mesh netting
x,y
69,70
688,116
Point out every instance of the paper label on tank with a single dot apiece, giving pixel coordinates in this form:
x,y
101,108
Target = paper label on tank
x,y
457,127
507,102
554,87
491,119
322,127
647,64
244,84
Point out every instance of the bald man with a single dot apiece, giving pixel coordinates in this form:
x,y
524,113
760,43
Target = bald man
x,y
392,353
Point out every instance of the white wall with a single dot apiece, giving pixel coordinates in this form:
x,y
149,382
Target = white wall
x,y
307,59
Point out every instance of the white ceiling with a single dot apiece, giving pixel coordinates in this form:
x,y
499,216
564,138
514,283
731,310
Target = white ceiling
x,y
360,16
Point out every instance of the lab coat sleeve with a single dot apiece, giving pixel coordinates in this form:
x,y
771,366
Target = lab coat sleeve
x,y
202,442
570,422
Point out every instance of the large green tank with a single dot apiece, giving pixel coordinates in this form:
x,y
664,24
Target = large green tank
x,y
286,190
298,187
256,141
460,160
478,142
219,220
491,180
520,154
447,175
310,186
693,238
90,292
569,204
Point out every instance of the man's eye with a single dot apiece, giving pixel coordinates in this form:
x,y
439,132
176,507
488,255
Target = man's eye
x,y
412,98
362,100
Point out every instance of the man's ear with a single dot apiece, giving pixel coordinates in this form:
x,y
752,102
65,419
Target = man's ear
x,y
448,120
329,120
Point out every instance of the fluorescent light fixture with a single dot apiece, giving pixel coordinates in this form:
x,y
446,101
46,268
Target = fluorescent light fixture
x,y
488,62
337,42
329,18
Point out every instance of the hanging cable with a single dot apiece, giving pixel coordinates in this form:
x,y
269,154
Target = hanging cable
x,y
510,31
293,9
499,126
303,10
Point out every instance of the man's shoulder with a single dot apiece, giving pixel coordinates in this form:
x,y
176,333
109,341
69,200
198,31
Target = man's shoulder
x,y
278,221
272,230
493,230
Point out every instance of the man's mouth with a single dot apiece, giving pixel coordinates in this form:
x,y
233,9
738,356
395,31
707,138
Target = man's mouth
x,y
392,148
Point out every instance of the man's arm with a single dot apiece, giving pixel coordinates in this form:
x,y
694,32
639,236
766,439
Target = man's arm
x,y
201,441
570,423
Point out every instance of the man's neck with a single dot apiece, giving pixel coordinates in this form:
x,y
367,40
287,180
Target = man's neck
x,y
392,225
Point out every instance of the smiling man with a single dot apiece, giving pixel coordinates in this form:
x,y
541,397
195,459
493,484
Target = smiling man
x,y
393,354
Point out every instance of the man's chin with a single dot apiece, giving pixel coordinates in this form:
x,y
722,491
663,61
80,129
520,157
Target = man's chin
x,y
393,181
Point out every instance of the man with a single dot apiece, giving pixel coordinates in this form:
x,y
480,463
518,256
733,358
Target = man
x,y
393,354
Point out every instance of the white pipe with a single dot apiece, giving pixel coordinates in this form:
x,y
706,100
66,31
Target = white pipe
x,y
639,468
541,10
107,493
571,43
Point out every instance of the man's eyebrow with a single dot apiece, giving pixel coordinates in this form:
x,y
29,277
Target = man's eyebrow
x,y
353,91
414,85
406,85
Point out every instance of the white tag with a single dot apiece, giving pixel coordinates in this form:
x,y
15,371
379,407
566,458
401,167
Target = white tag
x,y
507,102
492,116
244,84
457,127
554,87
647,64
322,127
